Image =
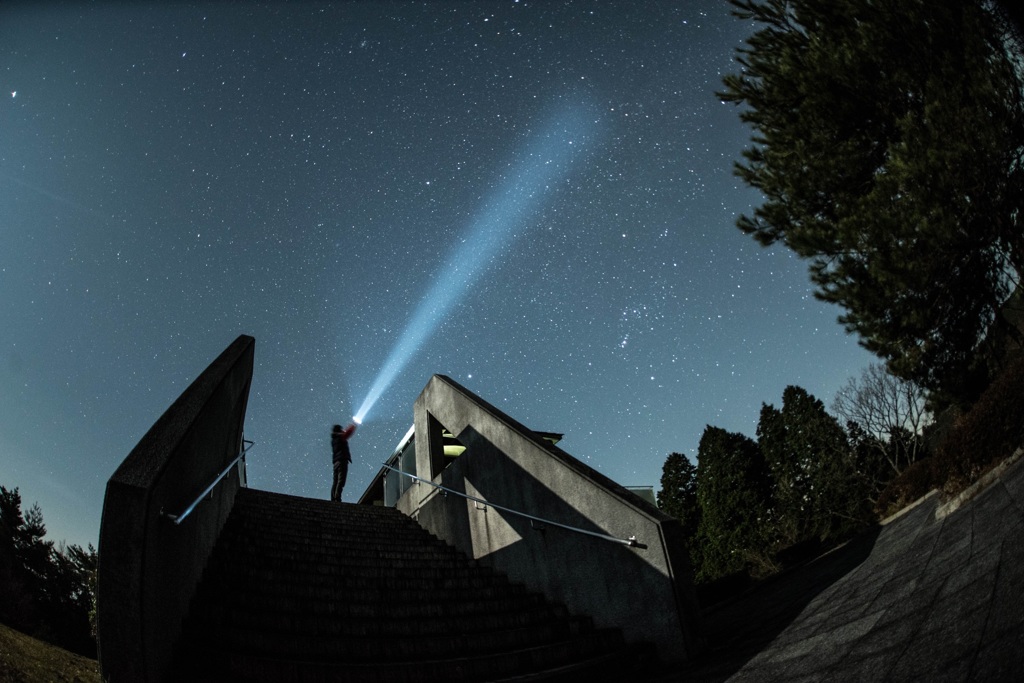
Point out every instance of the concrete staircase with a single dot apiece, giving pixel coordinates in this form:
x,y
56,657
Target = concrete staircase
x,y
299,589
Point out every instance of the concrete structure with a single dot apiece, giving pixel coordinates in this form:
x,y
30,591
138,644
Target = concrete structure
x,y
149,566
646,592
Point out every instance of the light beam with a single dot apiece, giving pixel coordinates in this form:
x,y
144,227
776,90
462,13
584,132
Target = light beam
x,y
548,158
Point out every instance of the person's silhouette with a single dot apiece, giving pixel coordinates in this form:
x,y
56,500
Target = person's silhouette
x,y
342,457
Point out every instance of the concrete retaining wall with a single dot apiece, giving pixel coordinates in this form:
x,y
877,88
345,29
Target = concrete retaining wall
x,y
647,593
148,566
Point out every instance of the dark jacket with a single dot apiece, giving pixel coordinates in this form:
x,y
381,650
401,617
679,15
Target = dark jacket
x,y
339,444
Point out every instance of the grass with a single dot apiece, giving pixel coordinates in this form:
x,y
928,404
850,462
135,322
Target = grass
x,y
26,660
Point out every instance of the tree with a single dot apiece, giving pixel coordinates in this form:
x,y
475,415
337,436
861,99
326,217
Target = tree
x,y
790,479
889,139
678,494
817,490
68,602
732,492
678,497
46,592
24,561
869,455
888,408
15,601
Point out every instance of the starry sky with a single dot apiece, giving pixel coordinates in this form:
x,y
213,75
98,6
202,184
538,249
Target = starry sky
x,y
173,175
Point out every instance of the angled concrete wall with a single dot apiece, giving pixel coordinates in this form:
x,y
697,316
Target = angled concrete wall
x,y
148,566
647,593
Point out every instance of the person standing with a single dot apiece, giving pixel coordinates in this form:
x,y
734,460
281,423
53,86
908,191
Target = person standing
x,y
342,457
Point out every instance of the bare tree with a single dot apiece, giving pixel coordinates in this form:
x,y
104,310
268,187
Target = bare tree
x,y
890,409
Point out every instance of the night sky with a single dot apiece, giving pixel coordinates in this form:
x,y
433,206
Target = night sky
x,y
174,175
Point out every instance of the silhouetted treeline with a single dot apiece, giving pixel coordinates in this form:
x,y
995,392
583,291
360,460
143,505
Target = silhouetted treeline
x,y
750,507
46,591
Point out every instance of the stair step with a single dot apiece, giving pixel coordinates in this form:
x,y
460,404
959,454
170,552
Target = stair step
x,y
325,619
220,665
290,641
284,608
259,582
315,551
405,571
358,574
304,594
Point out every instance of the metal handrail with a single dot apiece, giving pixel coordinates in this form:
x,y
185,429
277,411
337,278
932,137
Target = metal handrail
x,y
179,518
632,542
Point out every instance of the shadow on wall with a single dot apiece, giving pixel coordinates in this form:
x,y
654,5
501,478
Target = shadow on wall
x,y
566,560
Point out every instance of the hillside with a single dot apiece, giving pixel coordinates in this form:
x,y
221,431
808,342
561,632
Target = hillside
x,y
26,660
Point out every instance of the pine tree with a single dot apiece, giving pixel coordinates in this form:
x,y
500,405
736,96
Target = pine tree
x,y
790,480
45,592
24,562
732,492
68,604
888,145
678,497
817,490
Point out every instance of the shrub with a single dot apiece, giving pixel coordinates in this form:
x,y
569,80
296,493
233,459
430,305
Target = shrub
x,y
912,483
987,434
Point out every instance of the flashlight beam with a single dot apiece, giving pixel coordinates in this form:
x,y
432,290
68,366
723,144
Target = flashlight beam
x,y
548,157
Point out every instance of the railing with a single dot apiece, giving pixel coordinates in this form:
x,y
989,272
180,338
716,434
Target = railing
x,y
632,541
179,518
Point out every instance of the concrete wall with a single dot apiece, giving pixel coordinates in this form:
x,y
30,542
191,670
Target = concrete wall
x,y
647,593
148,566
